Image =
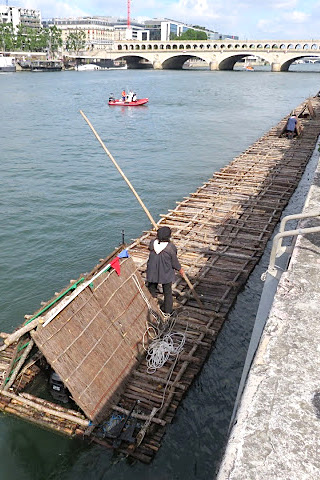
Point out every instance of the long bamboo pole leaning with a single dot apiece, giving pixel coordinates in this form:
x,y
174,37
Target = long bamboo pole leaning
x,y
120,171
138,198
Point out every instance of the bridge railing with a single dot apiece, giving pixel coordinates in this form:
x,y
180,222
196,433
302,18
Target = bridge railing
x,y
217,45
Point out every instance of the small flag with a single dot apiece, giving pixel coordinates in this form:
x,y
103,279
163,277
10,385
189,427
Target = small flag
x,y
124,254
116,265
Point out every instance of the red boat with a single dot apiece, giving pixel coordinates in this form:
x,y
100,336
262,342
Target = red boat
x,y
136,103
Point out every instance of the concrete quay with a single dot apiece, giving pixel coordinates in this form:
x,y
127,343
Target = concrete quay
x,y
276,433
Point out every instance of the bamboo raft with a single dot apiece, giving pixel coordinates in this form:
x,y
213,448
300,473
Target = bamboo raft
x,y
221,231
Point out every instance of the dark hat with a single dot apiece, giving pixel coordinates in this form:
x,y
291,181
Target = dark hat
x,y
164,234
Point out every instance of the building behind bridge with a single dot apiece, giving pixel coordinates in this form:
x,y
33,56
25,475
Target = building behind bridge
x,y
101,31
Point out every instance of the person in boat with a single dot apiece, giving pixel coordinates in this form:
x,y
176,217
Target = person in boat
x,y
130,96
123,95
134,97
161,266
291,125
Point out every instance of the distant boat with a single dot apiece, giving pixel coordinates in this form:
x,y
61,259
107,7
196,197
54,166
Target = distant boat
x,y
41,65
135,103
250,68
117,68
87,67
93,66
7,64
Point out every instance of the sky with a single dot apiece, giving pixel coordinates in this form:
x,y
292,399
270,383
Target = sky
x,y
249,19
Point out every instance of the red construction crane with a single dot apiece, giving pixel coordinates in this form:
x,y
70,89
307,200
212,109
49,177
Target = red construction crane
x,y
128,13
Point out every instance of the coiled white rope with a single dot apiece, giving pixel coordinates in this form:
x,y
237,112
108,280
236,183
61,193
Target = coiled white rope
x,y
163,346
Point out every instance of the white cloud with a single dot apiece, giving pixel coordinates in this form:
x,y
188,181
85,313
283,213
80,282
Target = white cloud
x,y
297,17
52,8
286,5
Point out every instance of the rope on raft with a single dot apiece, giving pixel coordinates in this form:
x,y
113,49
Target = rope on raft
x,y
165,342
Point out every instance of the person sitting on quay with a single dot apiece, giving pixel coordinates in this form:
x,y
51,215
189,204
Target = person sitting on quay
x,y
291,125
161,266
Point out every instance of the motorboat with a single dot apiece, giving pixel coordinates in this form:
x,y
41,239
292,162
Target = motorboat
x,y
126,103
7,64
87,67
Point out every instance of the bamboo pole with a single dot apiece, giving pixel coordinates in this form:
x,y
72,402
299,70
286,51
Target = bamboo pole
x,y
137,197
139,416
26,328
50,411
193,290
120,171
19,365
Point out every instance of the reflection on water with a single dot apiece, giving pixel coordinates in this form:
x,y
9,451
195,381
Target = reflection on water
x,y
63,206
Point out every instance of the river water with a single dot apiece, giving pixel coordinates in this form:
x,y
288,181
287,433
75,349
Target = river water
x,y
63,207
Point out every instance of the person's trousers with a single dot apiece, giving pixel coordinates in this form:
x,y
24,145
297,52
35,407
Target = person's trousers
x,y
167,292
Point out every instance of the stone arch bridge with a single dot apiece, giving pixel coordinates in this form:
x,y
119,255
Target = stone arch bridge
x,y
219,54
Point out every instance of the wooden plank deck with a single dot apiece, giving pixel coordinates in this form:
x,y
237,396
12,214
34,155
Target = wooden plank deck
x,y
221,231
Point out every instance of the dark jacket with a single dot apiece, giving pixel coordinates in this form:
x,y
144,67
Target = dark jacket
x,y
161,266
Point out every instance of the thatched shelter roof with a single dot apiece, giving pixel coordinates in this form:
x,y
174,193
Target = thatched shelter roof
x,y
94,341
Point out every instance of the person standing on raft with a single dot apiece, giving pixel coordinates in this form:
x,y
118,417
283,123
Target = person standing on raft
x,y
161,266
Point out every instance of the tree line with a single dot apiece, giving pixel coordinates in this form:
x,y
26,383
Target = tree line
x,y
190,34
44,39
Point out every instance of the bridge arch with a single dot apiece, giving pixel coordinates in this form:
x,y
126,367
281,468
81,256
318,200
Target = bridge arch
x,y
135,61
229,62
176,62
286,65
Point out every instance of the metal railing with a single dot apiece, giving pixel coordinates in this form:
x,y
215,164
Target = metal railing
x,y
278,249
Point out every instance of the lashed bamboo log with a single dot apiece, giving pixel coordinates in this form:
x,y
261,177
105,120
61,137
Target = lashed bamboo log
x,y
19,365
48,404
50,411
139,416
25,329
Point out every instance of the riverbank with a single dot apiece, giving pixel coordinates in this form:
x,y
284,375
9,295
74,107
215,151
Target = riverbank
x,y
277,430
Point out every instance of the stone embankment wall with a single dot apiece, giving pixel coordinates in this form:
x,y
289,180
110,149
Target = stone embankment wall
x,y
277,431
